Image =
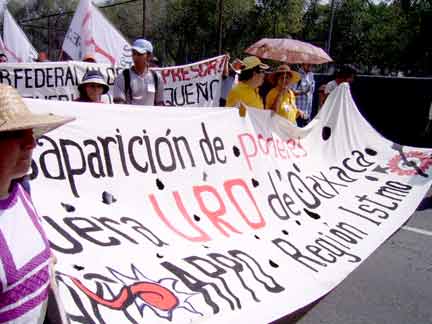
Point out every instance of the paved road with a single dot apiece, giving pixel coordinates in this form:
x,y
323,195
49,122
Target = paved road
x,y
394,285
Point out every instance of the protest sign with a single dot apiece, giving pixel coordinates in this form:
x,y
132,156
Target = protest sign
x,y
201,216
17,47
196,84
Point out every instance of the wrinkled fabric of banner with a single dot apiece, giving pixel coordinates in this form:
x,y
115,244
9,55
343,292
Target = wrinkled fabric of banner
x,y
200,216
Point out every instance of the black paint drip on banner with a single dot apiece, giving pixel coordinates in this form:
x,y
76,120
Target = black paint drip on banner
x,y
160,184
108,198
273,264
312,214
326,133
255,183
236,151
68,208
370,152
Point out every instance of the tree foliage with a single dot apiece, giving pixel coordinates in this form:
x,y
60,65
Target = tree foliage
x,y
393,35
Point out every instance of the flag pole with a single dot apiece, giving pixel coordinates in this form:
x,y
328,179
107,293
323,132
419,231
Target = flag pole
x,y
144,18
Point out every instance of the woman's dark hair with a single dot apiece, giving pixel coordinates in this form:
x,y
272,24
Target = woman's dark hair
x,y
345,71
248,74
83,95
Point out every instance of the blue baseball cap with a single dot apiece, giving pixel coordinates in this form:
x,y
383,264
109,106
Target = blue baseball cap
x,y
142,46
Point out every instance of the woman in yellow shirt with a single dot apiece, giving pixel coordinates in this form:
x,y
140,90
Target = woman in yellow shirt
x,y
250,79
281,98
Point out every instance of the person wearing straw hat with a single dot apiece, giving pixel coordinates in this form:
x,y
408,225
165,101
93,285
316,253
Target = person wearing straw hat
x,y
250,79
281,98
92,87
25,255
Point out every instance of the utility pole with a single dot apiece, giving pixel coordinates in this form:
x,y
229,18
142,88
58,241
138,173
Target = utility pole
x,y
49,37
144,18
220,26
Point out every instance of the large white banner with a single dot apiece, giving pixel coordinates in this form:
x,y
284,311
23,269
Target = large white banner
x,y
90,33
201,216
196,84
17,47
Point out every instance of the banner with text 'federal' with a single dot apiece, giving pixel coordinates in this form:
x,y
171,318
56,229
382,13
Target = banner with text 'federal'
x,y
200,216
196,84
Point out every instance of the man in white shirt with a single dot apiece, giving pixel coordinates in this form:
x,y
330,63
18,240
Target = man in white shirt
x,y
139,85
345,73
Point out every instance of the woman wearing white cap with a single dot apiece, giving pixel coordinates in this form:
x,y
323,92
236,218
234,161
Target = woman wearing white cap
x,y
25,256
92,87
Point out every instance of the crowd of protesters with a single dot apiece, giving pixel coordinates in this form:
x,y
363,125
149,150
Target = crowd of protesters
x,y
246,82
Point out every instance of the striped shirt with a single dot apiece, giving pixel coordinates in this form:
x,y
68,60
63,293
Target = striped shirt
x,y
24,261
307,86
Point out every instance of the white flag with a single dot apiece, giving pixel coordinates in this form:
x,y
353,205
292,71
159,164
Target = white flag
x,y
90,33
17,47
2,47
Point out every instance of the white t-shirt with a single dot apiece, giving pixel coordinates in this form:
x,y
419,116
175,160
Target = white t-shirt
x,y
143,88
24,261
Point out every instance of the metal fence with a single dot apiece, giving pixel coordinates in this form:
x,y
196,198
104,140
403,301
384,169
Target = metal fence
x,y
47,32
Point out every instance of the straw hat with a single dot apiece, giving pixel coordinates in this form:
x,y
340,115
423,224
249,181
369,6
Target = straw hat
x,y
252,61
295,76
93,76
14,115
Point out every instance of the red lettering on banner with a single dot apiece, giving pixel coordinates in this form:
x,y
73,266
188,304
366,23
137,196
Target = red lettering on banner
x,y
228,185
176,74
211,67
267,142
196,70
165,74
203,235
213,216
247,154
296,148
250,149
185,75
281,149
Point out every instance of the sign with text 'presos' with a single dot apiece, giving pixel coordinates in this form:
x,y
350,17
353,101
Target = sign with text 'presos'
x,y
201,216
196,84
